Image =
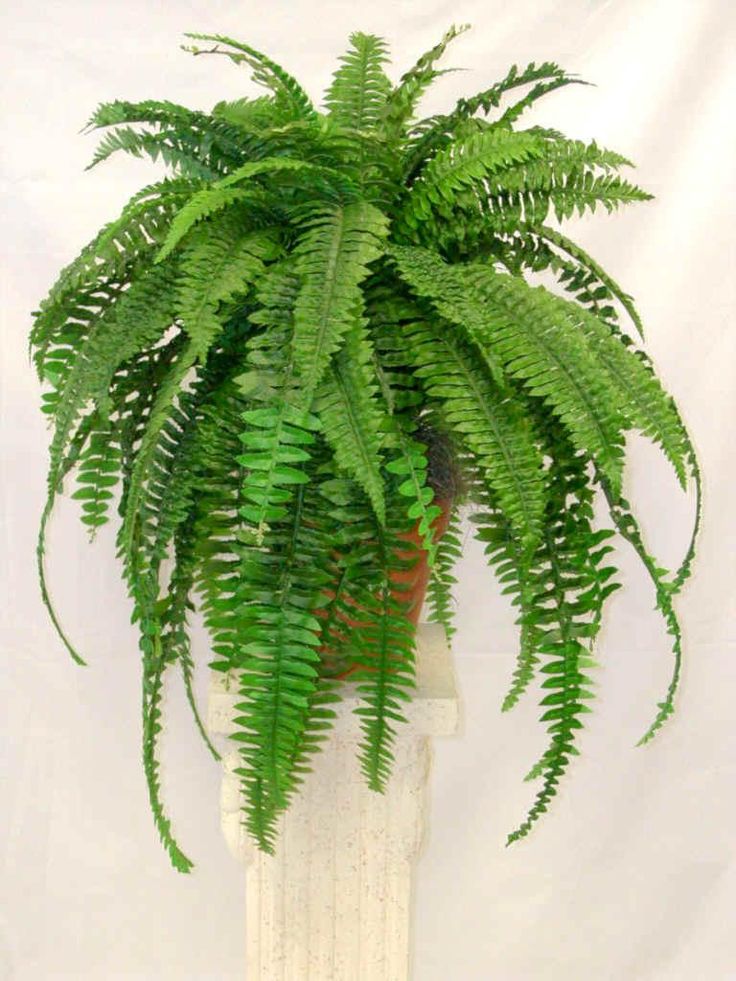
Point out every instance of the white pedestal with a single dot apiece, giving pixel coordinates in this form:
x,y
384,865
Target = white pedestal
x,y
334,903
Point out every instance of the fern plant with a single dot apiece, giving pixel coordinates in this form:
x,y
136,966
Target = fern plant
x,y
257,360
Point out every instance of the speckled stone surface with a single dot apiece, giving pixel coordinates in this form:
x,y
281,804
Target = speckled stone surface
x,y
334,904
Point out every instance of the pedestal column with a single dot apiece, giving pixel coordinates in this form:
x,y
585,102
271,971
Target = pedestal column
x,y
334,903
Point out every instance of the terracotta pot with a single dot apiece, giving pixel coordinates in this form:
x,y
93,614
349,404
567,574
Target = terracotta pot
x,y
413,582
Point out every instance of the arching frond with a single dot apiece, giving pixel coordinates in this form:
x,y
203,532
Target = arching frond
x,y
589,264
403,99
216,266
535,345
465,164
201,205
436,132
287,91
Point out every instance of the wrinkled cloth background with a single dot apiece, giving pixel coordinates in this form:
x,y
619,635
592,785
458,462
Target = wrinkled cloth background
x,y
630,877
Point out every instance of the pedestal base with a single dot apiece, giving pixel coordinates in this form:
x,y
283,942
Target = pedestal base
x,y
334,903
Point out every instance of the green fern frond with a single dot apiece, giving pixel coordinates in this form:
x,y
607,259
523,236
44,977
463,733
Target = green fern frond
x,y
166,145
360,87
249,115
440,598
487,422
203,204
645,404
175,639
452,299
587,262
139,317
384,679
135,516
209,138
287,91
112,257
277,664
98,469
333,256
274,440
554,363
218,264
547,73
434,133
628,528
570,586
403,99
352,417
462,165
383,649
558,80
152,690
513,568
412,465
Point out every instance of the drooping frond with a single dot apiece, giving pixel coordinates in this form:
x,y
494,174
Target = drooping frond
x,y
600,277
665,591
486,421
152,693
569,585
278,434
353,418
136,511
513,566
411,464
381,635
333,256
440,598
113,258
98,469
278,659
535,345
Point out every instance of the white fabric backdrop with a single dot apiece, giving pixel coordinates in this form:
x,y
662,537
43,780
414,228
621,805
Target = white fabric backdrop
x,y
631,874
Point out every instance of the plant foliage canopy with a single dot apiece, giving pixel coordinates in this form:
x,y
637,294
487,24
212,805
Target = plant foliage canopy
x,y
248,360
